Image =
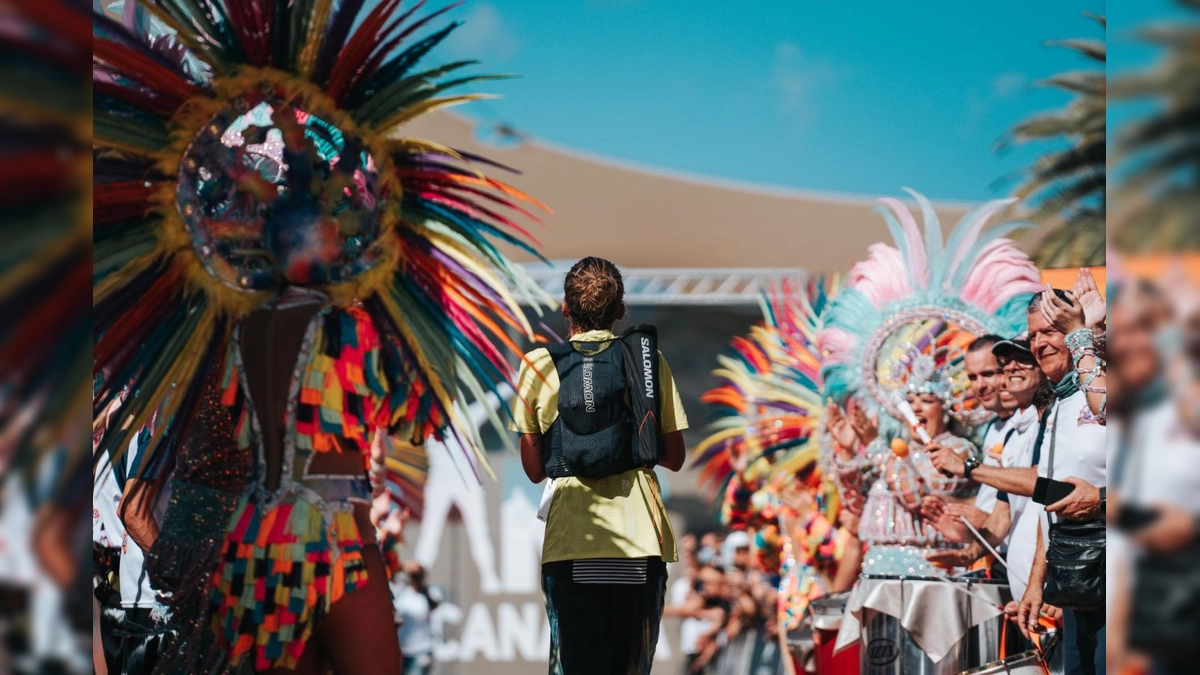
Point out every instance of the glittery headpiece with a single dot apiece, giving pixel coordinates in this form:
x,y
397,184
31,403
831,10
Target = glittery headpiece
x,y
910,310
247,147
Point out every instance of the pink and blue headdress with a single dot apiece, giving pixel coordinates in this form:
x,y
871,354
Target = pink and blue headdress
x,y
909,310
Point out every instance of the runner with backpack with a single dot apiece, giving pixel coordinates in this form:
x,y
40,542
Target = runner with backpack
x,y
596,414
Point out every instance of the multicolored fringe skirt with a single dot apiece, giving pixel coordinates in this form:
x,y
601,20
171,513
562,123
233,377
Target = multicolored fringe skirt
x,y
281,570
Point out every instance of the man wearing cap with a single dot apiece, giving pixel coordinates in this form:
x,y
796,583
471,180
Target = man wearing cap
x,y
1081,460
983,376
1020,384
1001,444
1018,381
1010,527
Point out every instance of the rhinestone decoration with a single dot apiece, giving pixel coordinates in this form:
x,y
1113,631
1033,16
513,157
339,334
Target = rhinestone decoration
x,y
272,194
961,403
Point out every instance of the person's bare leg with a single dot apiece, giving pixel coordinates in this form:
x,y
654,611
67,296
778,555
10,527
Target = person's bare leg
x,y
358,636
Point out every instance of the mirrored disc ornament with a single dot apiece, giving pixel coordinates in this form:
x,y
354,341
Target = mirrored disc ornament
x,y
273,195
921,349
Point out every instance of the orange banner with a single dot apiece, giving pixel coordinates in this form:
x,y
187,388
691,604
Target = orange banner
x,y
1065,278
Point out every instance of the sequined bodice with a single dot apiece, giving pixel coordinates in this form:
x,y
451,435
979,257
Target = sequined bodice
x,y
313,383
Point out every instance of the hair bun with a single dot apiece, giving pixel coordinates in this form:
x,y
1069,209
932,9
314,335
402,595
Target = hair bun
x,y
594,293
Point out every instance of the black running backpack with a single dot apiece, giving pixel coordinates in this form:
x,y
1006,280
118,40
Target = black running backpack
x,y
608,406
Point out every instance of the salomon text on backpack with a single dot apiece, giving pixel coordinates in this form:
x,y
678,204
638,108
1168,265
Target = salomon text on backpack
x,y
609,401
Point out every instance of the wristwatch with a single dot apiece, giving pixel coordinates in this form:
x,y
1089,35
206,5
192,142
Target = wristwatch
x,y
971,463
1103,501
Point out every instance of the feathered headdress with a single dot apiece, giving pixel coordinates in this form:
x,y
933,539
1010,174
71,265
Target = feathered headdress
x,y
45,217
909,310
255,145
768,404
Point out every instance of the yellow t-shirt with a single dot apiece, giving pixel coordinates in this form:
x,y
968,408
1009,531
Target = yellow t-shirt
x,y
619,516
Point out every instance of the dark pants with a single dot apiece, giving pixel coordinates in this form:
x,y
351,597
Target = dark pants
x,y
603,629
1083,642
141,642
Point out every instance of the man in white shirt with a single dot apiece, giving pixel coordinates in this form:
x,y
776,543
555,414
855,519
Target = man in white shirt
x,y
983,376
1080,459
1019,381
414,601
1077,442
139,601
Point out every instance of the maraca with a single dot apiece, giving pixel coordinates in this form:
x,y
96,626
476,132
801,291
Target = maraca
x,y
900,450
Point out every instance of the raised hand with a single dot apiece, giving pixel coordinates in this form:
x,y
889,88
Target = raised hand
x,y
866,427
1065,318
739,459
1087,293
841,429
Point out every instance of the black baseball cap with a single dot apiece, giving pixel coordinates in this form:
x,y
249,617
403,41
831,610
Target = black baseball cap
x,y
1016,348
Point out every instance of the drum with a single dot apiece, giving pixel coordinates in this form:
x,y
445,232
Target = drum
x,y
826,615
984,639
887,648
1026,663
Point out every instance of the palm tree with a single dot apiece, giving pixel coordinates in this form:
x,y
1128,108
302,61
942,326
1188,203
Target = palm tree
x,y
1156,156
1064,189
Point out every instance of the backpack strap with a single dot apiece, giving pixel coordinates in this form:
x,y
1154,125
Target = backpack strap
x,y
643,379
560,351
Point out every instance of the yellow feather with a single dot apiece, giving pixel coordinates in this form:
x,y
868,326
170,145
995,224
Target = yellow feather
x,y
412,112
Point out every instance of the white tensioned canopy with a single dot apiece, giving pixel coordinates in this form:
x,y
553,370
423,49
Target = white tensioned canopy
x,y
679,239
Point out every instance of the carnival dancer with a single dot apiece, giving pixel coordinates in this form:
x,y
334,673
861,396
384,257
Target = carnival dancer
x,y
285,278
894,343
608,538
897,482
764,448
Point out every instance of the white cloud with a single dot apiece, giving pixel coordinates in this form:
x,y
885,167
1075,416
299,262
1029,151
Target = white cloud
x,y
484,35
980,103
795,77
1008,85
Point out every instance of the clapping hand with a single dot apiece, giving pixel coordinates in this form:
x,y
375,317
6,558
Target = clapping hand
x,y
932,508
1065,318
1090,300
866,426
841,430
739,459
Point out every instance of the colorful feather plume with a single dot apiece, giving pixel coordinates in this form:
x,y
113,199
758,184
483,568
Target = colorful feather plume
x,y
971,282
45,221
194,128
768,404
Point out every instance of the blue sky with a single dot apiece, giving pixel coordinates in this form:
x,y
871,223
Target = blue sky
x,y
832,95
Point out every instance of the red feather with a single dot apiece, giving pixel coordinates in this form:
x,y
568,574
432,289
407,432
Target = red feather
x,y
174,88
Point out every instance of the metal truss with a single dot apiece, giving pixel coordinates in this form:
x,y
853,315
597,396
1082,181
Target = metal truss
x,y
679,286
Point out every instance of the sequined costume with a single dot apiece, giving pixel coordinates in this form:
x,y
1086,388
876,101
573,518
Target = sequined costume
x,y
293,547
280,272
895,537
901,327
